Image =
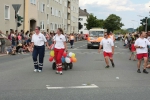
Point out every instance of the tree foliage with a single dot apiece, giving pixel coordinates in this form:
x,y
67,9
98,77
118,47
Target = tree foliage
x,y
113,22
121,31
92,21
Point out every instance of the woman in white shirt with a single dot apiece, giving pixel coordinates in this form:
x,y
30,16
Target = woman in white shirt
x,y
38,45
59,48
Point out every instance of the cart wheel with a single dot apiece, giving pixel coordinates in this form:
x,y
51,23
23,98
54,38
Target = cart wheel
x,y
54,65
71,65
65,66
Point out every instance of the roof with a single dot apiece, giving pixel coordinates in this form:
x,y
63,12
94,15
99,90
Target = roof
x,y
83,12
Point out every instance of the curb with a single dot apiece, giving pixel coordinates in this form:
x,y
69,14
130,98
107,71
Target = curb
x,y
1,55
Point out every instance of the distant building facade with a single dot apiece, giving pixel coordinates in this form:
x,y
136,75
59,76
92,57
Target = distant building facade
x,y
48,14
83,15
7,14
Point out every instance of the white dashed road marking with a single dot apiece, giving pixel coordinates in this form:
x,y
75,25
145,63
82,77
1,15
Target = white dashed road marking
x,y
73,87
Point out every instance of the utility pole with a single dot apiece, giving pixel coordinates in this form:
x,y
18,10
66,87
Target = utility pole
x,y
16,19
146,25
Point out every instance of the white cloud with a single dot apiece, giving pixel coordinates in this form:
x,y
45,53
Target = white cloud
x,y
147,6
116,5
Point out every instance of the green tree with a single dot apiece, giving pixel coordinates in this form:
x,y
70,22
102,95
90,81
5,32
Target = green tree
x,y
121,31
113,22
92,21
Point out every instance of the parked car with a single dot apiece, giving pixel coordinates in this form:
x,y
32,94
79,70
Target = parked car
x,y
117,37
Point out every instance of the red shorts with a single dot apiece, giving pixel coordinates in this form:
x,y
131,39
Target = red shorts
x,y
142,55
108,54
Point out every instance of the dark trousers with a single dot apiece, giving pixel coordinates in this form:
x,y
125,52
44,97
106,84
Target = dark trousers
x,y
71,42
38,51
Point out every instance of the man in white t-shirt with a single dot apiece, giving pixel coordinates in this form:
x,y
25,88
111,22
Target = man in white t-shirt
x,y
108,49
142,52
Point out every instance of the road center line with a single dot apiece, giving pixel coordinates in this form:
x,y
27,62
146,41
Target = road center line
x,y
74,87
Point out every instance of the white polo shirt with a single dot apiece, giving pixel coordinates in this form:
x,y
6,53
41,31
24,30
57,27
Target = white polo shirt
x,y
107,44
39,39
59,41
143,43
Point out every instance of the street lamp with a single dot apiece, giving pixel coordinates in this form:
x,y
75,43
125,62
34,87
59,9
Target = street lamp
x,y
137,22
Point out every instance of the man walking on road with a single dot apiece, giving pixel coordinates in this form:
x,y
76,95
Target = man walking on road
x,y
108,49
142,51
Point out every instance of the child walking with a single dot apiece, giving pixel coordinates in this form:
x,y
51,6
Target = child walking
x,y
133,51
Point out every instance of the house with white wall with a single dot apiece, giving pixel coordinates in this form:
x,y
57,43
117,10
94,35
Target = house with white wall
x,y
83,15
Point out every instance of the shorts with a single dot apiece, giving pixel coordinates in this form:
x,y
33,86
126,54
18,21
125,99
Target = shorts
x,y
108,54
142,55
134,53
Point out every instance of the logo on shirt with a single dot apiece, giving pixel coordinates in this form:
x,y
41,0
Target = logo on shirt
x,y
39,37
60,38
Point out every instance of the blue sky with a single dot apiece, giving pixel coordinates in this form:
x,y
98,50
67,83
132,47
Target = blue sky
x,y
128,10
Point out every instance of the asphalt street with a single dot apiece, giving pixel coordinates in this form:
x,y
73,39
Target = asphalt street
x,y
88,80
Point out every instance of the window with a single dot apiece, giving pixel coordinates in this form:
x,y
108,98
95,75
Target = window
x,y
47,18
7,12
42,7
33,1
60,1
42,25
84,24
56,13
51,11
80,19
51,26
55,26
59,14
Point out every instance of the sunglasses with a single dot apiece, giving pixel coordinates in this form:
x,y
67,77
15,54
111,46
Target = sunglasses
x,y
36,29
105,35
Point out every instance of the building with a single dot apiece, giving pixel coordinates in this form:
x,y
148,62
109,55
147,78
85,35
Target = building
x,y
83,15
48,14
7,15
52,14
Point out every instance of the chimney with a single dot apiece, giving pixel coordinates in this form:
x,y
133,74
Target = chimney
x,y
84,10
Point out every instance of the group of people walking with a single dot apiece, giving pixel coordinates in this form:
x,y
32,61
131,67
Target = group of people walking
x,y
38,41
139,45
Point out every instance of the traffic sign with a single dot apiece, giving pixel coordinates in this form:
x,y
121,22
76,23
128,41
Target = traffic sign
x,y
16,7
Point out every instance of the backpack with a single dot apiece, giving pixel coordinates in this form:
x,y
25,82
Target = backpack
x,y
2,41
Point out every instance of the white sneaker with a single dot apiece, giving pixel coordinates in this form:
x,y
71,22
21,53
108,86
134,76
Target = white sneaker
x,y
35,70
40,71
57,72
60,73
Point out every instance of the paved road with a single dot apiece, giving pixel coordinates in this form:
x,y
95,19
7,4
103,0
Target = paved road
x,y
19,82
